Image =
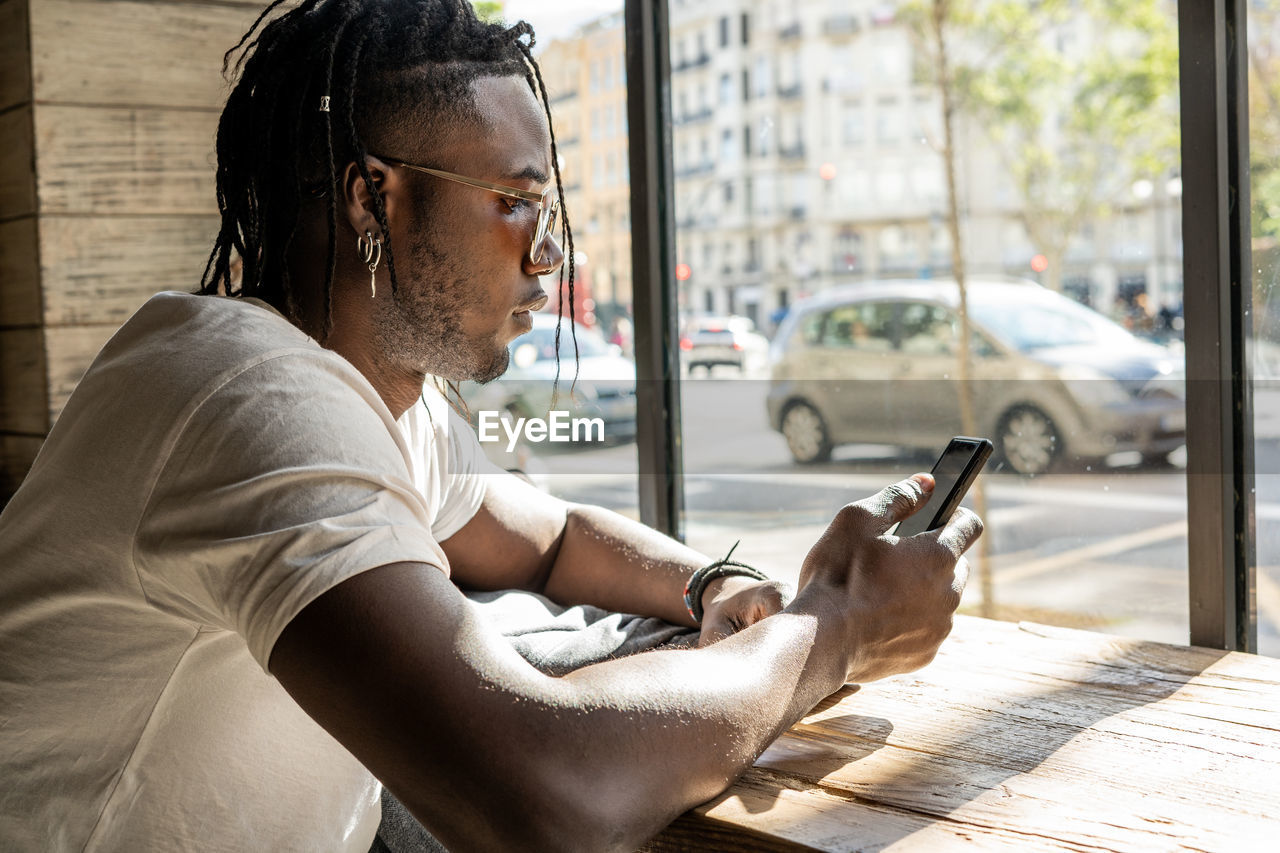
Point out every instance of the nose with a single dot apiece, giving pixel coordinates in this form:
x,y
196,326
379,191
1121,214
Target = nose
x,y
551,257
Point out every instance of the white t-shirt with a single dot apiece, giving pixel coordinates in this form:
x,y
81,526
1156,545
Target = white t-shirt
x,y
215,471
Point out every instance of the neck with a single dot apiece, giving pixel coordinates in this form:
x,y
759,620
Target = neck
x,y
398,386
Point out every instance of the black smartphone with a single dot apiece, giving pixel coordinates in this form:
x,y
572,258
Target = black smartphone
x,y
953,474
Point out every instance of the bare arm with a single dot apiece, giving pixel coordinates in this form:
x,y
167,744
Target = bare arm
x,y
522,538
489,753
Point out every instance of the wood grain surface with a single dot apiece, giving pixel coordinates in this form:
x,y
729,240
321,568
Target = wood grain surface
x,y
134,54
1021,737
15,54
100,269
19,273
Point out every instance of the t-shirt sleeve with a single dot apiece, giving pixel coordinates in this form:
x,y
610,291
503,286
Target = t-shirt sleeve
x,y
285,480
467,469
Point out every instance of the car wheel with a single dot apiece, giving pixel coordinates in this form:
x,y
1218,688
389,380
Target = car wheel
x,y
1156,460
1028,441
806,434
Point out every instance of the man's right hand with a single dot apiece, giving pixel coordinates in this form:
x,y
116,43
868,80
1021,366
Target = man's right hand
x,y
896,595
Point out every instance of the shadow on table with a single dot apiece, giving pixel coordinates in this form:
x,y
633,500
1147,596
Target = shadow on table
x,y
966,727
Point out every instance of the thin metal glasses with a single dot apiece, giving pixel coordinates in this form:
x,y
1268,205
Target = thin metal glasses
x,y
548,201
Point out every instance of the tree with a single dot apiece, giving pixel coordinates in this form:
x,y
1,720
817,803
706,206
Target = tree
x,y
1079,98
930,25
1264,120
488,10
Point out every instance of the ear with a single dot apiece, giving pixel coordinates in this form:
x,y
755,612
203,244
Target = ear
x,y
357,199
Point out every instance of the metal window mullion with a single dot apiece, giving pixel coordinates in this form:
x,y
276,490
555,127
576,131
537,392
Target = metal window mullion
x,y
653,267
1217,304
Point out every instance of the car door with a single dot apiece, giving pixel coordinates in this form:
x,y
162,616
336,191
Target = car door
x,y
929,399
858,349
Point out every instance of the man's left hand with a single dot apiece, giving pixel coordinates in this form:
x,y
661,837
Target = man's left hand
x,y
734,602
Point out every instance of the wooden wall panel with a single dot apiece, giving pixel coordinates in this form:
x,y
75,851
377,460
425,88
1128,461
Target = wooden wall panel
x,y
23,404
139,53
130,161
15,54
71,349
17,452
98,269
17,164
19,273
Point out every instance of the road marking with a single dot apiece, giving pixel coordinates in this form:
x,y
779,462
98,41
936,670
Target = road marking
x,y
1086,553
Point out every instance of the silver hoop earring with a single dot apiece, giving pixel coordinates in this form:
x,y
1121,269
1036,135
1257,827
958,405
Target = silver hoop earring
x,y
369,248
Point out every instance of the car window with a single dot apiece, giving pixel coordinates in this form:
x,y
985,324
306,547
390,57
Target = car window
x,y
713,336
1043,324
862,326
809,329
590,343
928,329
935,330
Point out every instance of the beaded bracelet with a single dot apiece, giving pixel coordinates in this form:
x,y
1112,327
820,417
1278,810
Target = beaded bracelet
x,y
697,583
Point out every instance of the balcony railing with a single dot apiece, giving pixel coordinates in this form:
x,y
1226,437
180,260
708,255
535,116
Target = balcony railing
x,y
696,169
688,64
841,25
792,152
792,92
696,117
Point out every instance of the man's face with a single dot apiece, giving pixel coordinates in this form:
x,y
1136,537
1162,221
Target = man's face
x,y
466,280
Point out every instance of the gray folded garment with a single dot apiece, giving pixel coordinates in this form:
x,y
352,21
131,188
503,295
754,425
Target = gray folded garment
x,y
556,640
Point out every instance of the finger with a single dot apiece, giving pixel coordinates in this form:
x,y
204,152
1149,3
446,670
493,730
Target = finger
x,y
900,500
961,531
960,577
713,631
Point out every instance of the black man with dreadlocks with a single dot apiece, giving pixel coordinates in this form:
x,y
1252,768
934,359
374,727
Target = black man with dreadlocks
x,y
230,601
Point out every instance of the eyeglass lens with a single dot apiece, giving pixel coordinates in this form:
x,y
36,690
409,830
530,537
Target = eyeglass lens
x,y
546,223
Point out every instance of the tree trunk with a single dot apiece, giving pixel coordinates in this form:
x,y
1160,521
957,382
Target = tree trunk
x,y
964,372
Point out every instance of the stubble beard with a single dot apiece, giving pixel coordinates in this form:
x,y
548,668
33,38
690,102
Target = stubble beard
x,y
420,325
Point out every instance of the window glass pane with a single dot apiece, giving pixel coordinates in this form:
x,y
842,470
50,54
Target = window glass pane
x,y
1263,28
580,51
833,365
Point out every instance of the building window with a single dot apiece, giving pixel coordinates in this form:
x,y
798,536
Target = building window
x,y
724,31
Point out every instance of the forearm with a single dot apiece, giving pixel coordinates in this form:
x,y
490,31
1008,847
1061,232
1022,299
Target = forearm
x,y
618,564
624,747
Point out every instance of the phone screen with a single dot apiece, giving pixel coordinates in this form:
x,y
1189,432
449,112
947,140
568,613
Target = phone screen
x,y
954,472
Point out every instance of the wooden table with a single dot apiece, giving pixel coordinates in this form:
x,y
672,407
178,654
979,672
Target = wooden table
x,y
1021,737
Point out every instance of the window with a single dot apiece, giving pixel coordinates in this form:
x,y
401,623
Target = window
x,y
866,326
1079,511
853,125
724,32
594,170
1263,53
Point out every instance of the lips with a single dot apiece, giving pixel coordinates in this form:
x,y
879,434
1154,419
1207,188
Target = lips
x,y
535,304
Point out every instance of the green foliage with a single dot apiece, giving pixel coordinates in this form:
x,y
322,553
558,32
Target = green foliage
x,y
1264,120
488,10
1079,96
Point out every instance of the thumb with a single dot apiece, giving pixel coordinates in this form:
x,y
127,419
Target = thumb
x,y
899,500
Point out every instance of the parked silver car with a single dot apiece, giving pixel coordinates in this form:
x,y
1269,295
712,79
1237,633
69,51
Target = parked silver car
x,y
709,341
1052,380
605,388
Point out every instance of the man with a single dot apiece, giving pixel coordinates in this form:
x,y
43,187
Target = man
x,y
229,587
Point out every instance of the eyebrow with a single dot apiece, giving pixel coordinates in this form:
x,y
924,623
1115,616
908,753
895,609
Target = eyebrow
x,y
529,173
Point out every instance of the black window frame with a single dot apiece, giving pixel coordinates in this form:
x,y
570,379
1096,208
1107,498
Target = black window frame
x,y
1216,260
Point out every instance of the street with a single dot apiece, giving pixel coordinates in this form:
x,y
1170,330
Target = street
x,y
1100,548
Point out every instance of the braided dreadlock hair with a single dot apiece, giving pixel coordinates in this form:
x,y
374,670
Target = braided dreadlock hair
x,y
373,60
